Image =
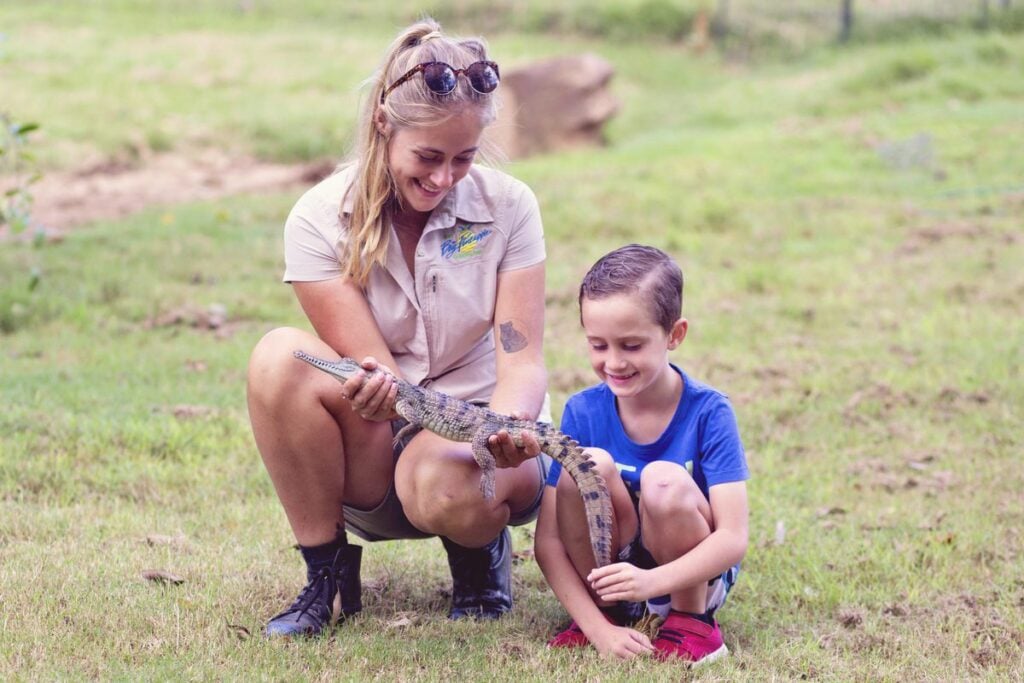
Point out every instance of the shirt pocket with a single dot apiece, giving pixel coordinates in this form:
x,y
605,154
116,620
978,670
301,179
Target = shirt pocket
x,y
461,302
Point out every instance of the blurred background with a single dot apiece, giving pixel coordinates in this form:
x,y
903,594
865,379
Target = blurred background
x,y
841,182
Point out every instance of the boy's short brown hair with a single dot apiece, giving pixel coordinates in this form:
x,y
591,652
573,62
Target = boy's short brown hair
x,y
637,269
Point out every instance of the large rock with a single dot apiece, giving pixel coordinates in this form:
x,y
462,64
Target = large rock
x,y
554,104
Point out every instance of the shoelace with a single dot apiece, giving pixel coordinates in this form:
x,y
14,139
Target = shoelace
x,y
312,593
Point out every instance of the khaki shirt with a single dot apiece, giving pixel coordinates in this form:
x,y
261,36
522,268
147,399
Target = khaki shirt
x,y
438,321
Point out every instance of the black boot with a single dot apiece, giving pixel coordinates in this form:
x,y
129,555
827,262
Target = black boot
x,y
481,578
331,594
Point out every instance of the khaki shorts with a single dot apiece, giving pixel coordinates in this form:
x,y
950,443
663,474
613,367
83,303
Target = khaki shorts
x,y
387,521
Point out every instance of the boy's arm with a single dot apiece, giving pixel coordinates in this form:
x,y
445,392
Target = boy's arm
x,y
570,590
723,548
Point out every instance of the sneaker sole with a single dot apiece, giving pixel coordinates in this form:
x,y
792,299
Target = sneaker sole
x,y
720,653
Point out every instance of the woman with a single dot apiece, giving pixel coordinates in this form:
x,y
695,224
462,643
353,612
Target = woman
x,y
414,259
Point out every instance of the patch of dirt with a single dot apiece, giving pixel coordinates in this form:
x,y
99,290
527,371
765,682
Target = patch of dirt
x,y
920,239
113,189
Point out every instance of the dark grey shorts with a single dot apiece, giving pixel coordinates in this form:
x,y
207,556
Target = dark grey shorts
x,y
387,521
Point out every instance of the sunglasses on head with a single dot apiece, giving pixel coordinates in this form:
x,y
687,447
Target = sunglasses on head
x,y
442,78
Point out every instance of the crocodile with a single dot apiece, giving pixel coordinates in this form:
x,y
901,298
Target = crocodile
x,y
458,420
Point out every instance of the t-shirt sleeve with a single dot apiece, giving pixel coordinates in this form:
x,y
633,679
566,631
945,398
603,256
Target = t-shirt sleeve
x,y
723,459
309,250
526,231
570,429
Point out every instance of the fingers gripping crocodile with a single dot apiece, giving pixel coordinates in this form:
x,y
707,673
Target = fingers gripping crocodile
x,y
461,421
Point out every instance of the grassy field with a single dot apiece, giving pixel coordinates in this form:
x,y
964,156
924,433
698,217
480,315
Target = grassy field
x,y
849,223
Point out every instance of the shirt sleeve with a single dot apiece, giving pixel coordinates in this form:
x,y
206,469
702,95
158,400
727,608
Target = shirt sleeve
x,y
309,249
722,456
526,231
569,428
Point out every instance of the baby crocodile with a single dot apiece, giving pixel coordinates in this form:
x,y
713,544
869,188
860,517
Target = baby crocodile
x,y
458,420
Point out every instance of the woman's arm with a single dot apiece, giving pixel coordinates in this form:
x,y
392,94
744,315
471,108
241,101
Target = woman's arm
x,y
521,376
341,316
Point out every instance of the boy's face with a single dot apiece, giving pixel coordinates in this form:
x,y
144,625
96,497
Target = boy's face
x,y
628,349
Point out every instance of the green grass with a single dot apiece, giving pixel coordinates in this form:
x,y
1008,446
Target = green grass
x,y
864,318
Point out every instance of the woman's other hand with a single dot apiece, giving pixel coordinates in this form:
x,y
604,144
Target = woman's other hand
x,y
504,449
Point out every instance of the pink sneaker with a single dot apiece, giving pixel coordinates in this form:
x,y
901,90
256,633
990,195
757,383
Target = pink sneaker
x,y
570,637
689,639
620,615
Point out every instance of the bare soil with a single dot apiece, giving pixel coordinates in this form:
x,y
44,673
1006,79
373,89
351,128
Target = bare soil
x,y
114,189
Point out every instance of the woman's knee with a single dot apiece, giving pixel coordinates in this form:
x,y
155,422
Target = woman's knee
x,y
273,371
443,496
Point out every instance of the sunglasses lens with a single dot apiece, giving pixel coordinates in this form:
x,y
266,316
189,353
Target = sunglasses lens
x,y
482,76
439,78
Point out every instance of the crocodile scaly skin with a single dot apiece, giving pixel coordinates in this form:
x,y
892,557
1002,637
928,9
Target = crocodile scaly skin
x,y
458,420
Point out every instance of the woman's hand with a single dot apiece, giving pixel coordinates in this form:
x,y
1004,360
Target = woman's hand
x,y
504,449
621,642
372,396
621,581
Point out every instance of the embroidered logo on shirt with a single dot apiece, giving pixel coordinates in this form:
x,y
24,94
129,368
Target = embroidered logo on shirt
x,y
465,244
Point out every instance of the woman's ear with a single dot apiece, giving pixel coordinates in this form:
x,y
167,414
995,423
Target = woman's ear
x,y
678,333
380,121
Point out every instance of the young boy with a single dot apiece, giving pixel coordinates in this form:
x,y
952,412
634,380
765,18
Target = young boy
x,y
670,451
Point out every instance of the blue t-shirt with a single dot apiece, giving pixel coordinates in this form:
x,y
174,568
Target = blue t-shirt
x,y
702,437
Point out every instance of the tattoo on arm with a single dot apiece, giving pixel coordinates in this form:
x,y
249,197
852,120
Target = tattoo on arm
x,y
512,340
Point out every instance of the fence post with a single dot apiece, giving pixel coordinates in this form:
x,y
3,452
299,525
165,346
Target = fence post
x,y
720,19
845,20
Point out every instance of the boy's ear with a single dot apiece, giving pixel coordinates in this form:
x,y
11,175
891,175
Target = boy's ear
x,y
678,333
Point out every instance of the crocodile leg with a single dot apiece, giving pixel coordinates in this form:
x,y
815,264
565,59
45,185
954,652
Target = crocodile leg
x,y
485,460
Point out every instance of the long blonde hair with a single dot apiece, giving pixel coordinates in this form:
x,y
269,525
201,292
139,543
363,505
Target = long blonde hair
x,y
412,104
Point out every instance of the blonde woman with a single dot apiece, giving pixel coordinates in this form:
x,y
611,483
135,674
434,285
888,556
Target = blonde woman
x,y
413,258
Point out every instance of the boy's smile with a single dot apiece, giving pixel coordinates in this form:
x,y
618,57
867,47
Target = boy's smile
x,y
628,349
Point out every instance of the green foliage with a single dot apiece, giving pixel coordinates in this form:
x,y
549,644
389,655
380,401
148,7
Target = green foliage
x,y
17,163
908,65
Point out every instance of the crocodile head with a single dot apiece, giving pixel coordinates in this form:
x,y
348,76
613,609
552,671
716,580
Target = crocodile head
x,y
341,369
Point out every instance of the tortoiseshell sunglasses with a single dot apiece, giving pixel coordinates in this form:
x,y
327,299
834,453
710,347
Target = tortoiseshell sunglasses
x,y
442,78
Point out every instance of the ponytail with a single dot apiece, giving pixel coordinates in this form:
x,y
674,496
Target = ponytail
x,y
375,198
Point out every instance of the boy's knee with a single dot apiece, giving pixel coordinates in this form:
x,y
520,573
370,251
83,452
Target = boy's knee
x,y
668,489
604,464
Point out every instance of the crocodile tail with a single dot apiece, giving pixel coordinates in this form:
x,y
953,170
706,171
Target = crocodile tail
x,y
592,487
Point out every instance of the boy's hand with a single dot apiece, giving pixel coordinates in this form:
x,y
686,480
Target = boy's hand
x,y
621,642
505,451
620,581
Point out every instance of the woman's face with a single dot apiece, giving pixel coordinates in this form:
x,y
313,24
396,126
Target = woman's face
x,y
426,162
